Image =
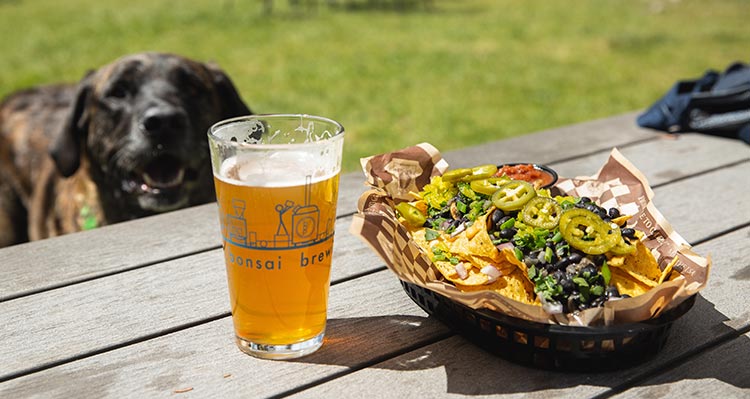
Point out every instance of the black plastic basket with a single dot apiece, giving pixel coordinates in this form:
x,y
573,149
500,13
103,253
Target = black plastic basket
x,y
549,346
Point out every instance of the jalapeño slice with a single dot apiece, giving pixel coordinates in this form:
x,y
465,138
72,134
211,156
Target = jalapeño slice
x,y
513,195
587,232
481,172
488,186
542,212
456,174
413,216
624,247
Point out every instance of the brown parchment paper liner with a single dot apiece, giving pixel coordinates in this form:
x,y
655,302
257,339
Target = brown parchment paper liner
x,y
618,184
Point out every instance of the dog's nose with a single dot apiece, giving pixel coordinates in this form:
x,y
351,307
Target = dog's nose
x,y
163,121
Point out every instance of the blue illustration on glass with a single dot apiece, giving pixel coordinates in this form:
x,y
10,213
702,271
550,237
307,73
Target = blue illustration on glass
x,y
298,225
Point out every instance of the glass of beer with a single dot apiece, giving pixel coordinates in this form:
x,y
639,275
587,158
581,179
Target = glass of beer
x,y
277,179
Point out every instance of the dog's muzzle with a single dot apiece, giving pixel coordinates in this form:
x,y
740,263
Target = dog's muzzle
x,y
163,184
162,178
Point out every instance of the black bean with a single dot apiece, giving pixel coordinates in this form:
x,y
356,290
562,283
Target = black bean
x,y
562,263
575,257
611,292
628,232
589,269
591,207
614,213
496,216
584,200
567,284
599,259
508,233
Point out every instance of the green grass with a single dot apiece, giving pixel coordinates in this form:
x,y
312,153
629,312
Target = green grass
x,y
457,74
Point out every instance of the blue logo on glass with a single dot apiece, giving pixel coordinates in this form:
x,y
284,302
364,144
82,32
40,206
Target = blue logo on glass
x,y
298,226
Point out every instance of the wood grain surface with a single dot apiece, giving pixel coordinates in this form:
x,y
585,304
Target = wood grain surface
x,y
140,309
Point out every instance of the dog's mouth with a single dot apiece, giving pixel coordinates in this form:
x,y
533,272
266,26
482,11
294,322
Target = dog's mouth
x,y
161,175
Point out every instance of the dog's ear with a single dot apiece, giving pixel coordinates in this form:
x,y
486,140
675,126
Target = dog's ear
x,y
66,147
230,101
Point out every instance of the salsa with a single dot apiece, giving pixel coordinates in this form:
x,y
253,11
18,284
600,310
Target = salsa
x,y
527,172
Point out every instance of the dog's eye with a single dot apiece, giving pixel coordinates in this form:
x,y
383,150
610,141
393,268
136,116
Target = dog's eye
x,y
118,90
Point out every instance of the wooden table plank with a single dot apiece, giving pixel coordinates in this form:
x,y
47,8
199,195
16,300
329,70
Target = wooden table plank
x,y
147,315
559,144
729,280
373,301
708,204
455,366
722,309
33,267
69,322
727,377
369,318
29,268
666,159
145,304
64,260
681,191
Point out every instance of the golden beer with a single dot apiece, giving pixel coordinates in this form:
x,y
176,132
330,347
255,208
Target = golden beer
x,y
278,243
276,180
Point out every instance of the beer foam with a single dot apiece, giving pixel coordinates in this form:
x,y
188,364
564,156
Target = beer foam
x,y
281,169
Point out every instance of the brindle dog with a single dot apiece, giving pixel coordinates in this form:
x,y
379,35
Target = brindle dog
x,y
129,140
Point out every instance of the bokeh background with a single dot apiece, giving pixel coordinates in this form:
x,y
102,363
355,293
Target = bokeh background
x,y
397,72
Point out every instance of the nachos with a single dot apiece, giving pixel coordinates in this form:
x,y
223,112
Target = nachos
x,y
483,230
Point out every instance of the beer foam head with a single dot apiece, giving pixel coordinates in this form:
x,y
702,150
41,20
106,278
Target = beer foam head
x,y
277,169
276,150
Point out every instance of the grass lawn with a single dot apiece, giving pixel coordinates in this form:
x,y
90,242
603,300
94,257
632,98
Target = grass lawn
x,y
455,74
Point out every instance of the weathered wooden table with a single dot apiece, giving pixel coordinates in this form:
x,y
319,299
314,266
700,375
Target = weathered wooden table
x,y
140,309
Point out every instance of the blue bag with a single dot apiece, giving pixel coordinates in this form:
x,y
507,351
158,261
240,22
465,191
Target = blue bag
x,y
716,103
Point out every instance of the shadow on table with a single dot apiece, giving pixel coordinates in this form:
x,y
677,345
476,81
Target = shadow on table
x,y
472,371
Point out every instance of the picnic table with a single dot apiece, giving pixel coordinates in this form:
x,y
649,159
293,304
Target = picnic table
x,y
140,309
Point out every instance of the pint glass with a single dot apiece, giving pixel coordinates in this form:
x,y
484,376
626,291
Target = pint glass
x,y
277,179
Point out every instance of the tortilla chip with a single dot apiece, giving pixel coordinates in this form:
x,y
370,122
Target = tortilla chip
x,y
473,247
474,275
640,265
632,274
481,244
667,271
508,256
621,219
515,285
418,235
626,283
479,247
